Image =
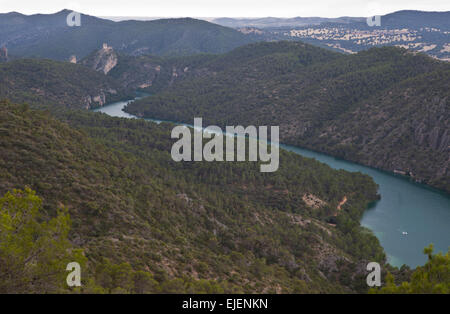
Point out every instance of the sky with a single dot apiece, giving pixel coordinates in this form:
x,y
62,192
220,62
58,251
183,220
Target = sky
x,y
224,8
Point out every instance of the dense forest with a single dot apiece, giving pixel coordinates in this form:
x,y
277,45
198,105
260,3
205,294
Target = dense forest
x,y
384,107
179,227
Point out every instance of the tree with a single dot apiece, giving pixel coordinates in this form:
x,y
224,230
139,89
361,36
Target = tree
x,y
34,251
433,277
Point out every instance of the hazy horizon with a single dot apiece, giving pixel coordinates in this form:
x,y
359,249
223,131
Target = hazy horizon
x,y
203,9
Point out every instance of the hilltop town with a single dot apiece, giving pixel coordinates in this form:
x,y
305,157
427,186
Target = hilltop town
x,y
351,40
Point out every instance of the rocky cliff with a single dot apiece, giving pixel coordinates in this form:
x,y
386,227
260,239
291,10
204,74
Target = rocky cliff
x,y
3,54
103,60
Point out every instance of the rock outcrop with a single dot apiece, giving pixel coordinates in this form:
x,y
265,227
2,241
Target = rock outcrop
x,y
103,60
73,59
94,101
3,54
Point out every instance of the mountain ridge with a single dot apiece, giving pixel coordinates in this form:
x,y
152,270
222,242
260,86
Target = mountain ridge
x,y
396,18
33,35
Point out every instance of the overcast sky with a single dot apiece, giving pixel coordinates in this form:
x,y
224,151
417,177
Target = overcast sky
x,y
228,8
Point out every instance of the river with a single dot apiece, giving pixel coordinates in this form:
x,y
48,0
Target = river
x,y
408,217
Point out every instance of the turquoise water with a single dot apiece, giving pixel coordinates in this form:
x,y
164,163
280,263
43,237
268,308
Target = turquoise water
x,y
405,206
408,217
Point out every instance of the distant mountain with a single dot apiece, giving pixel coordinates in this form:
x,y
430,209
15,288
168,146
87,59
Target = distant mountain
x,y
417,19
273,22
49,36
406,18
385,107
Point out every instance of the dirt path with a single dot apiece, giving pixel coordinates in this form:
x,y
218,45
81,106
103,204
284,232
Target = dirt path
x,y
344,200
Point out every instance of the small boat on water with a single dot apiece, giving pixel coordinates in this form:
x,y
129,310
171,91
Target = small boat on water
x,y
404,233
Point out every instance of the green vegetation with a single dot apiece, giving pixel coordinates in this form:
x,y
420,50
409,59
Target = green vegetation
x,y
433,277
61,84
149,224
33,253
385,107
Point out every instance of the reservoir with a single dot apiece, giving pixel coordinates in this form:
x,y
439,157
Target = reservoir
x,y
408,217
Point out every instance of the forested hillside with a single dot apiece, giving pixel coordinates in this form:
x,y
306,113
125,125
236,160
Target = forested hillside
x,y
102,77
183,227
59,83
384,107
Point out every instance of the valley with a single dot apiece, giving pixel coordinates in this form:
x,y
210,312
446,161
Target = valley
x,y
358,171
211,224
404,205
